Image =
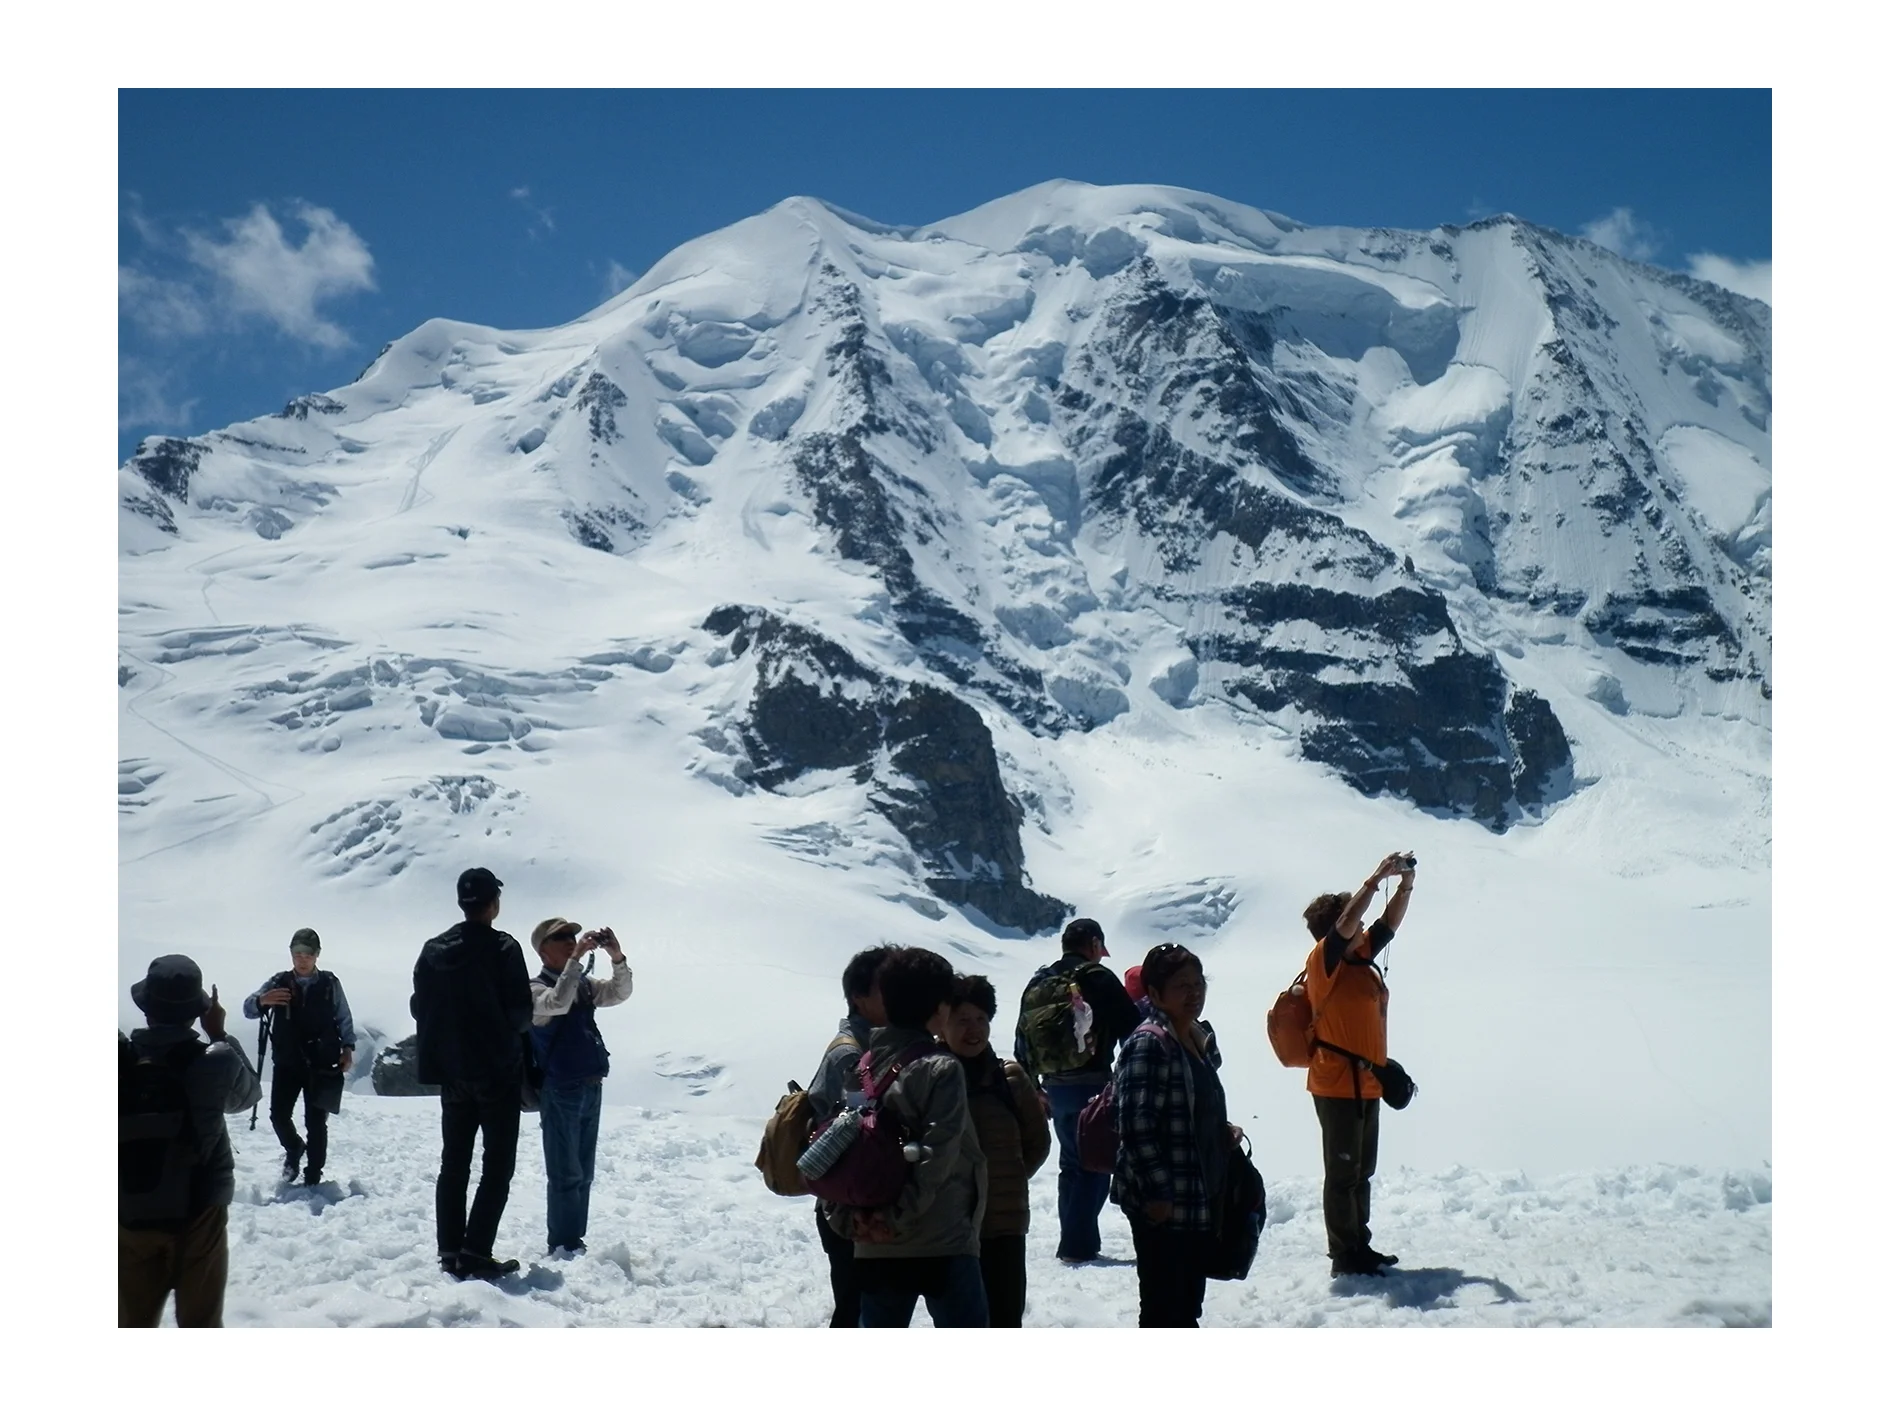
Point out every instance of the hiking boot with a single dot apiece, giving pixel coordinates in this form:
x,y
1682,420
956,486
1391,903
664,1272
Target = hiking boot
x,y
564,1252
312,1176
484,1267
1378,1260
291,1164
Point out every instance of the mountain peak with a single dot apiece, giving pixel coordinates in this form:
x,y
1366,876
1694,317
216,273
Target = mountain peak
x,y
1427,515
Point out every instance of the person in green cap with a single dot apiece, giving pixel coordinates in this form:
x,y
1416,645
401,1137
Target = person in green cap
x,y
312,1030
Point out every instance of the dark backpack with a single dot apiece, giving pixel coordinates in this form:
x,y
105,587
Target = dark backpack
x,y
1240,1210
1050,1011
160,1158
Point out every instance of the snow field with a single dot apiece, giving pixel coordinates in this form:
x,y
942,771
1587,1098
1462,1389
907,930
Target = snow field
x,y
684,1235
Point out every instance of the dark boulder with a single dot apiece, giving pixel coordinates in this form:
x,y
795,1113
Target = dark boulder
x,y
394,1070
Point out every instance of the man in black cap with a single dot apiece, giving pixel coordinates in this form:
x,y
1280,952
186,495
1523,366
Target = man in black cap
x,y
313,1032
174,1163
472,1002
1073,1014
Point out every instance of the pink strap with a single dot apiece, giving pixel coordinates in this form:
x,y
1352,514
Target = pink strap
x,y
873,1090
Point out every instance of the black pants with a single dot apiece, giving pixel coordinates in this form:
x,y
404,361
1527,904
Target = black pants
x,y
284,1088
846,1285
467,1111
1001,1258
1348,1133
1171,1273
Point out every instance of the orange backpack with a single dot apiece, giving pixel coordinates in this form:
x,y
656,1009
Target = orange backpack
x,y
1290,1025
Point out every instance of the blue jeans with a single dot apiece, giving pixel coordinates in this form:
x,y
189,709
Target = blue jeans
x,y
1081,1194
952,1286
567,1117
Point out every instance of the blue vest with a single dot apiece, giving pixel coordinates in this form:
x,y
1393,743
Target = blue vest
x,y
569,1048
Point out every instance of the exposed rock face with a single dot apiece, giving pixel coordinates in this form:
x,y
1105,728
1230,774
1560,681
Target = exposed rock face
x,y
1314,620
874,513
929,757
1538,749
394,1074
168,464
954,809
301,407
601,399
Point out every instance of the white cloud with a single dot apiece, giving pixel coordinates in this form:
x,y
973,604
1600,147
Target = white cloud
x,y
541,216
618,278
1624,234
145,400
260,272
167,309
1753,278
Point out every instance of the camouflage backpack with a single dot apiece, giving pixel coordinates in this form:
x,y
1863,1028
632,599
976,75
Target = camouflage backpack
x,y
1050,1022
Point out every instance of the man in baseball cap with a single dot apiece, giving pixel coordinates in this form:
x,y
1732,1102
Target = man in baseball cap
x,y
307,1017
478,886
1047,1046
571,1050
175,1170
472,1002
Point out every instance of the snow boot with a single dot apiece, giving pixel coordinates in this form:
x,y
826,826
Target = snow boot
x,y
484,1267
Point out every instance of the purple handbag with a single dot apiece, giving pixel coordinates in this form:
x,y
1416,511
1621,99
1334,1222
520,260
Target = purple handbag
x,y
873,1170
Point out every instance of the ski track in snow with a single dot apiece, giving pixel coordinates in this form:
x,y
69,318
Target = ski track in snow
x,y
683,1235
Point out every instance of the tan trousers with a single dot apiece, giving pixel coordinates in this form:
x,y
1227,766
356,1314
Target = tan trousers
x,y
193,1263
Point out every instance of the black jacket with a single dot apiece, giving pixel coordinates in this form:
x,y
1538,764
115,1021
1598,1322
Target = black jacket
x,y
472,1001
305,1036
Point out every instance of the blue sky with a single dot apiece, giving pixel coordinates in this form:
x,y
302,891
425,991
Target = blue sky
x,y
271,242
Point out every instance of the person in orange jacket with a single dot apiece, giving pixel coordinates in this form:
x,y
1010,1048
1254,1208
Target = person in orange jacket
x,y
1347,992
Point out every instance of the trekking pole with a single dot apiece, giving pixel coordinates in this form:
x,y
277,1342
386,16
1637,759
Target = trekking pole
x,y
262,1052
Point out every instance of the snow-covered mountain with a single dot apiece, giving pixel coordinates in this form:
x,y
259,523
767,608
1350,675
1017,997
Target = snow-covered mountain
x,y
1113,548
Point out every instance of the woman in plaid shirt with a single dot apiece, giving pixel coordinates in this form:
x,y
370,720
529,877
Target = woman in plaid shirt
x,y
1175,1139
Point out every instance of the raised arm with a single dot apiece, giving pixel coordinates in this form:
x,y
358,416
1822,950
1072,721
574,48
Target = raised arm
x,y
1347,926
1400,900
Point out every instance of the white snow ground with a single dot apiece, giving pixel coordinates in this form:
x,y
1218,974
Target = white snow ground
x,y
682,1234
